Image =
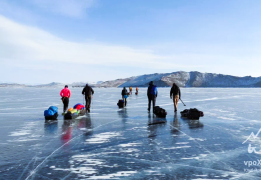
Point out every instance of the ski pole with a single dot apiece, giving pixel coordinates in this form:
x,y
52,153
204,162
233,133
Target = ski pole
x,y
183,102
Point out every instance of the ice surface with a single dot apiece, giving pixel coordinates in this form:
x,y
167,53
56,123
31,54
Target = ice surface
x,y
112,143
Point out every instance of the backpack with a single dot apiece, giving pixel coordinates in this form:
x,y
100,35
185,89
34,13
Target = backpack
x,y
52,110
160,112
53,117
120,103
184,113
68,115
192,113
175,90
153,90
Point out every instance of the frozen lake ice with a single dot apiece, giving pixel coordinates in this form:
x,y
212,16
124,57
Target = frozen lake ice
x,y
109,143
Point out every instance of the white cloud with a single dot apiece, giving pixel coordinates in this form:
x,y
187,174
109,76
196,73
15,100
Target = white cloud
x,y
24,43
74,8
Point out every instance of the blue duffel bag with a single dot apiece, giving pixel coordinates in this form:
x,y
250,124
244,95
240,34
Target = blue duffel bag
x,y
51,113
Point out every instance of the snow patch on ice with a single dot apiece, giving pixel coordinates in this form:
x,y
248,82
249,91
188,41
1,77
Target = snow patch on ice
x,y
208,99
102,137
182,143
178,147
22,140
201,156
20,133
129,150
197,139
24,130
114,175
129,144
226,118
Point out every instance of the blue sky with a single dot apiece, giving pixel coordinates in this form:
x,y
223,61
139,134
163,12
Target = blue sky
x,y
42,41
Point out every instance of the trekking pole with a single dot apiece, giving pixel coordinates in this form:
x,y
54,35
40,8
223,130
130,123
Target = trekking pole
x,y
92,100
61,102
183,102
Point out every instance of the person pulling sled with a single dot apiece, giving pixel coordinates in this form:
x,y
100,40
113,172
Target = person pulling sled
x,y
88,92
124,94
130,88
137,91
65,94
175,94
152,94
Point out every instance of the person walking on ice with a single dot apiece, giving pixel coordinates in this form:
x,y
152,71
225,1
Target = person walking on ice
x,y
65,94
88,92
152,94
130,88
175,94
124,94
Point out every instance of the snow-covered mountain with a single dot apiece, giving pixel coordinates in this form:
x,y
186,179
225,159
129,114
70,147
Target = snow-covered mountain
x,y
185,79
80,84
12,85
52,85
181,78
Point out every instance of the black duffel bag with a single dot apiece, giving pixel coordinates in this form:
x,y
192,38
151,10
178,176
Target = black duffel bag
x,y
120,103
192,113
160,112
68,115
53,117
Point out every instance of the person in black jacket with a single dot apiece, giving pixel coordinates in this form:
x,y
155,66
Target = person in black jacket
x,y
88,92
124,93
175,94
152,95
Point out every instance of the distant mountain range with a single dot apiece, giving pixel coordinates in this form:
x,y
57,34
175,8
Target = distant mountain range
x,y
181,78
185,79
51,85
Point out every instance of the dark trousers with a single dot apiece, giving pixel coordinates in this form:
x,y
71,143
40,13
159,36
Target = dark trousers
x,y
88,102
125,100
65,103
153,99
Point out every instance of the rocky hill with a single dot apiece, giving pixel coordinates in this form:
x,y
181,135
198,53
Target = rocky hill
x,y
186,79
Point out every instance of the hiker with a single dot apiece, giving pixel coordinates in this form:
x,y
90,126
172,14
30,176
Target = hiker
x,y
137,91
175,94
152,94
130,88
65,94
88,92
124,94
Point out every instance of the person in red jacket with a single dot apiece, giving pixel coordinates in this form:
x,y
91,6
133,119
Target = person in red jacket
x,y
65,94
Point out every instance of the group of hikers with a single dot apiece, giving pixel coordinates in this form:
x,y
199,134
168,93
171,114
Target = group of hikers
x,y
87,92
152,94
